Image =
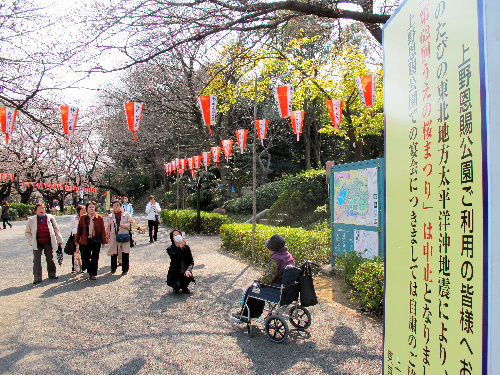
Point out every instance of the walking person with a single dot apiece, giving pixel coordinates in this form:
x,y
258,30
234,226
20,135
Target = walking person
x,y
6,214
127,207
180,272
91,236
76,258
43,235
153,210
119,225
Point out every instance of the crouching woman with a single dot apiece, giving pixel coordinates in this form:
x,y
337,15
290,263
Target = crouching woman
x,y
181,263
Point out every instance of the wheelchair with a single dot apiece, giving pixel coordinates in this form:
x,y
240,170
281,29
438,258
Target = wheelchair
x,y
282,305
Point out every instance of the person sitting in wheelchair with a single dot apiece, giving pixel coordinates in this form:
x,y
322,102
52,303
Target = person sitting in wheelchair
x,y
273,274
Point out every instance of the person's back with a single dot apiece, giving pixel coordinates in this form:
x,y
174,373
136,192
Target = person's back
x,y
283,258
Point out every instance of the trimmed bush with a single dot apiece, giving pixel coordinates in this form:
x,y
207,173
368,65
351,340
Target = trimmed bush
x,y
185,220
266,195
21,211
302,244
369,285
350,262
300,196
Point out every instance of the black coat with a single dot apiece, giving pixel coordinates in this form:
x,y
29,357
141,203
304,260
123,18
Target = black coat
x,y
181,260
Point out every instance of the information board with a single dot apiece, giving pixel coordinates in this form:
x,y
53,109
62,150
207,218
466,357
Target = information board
x,y
356,208
434,301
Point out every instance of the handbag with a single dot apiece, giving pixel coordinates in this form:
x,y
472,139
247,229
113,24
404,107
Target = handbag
x,y
59,254
306,285
132,242
96,240
123,237
70,246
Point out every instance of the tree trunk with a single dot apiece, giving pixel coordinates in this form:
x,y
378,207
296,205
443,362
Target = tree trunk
x,y
25,195
5,191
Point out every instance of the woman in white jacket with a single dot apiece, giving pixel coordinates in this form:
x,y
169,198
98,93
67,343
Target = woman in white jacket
x,y
153,210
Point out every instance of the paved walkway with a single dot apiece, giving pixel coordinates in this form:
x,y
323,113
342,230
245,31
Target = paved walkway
x,y
134,324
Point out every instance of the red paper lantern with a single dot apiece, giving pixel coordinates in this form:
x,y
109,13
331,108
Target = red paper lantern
x,y
206,159
196,162
208,108
366,89
241,136
134,114
69,115
261,129
297,118
284,96
335,110
7,120
227,145
215,154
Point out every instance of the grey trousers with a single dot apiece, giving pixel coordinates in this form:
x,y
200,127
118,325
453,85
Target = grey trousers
x,y
37,261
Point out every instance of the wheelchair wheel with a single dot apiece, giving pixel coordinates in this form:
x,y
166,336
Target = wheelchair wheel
x,y
300,317
276,329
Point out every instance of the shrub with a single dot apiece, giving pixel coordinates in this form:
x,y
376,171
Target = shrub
x,y
21,211
302,244
265,195
239,205
350,262
369,285
301,195
185,220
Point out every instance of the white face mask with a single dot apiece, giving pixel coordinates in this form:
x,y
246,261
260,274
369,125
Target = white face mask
x,y
178,238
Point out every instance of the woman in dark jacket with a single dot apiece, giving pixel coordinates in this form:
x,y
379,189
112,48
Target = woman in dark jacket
x,y
5,214
181,263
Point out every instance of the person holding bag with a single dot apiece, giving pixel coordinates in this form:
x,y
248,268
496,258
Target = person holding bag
x,y
91,236
153,210
119,225
76,258
43,235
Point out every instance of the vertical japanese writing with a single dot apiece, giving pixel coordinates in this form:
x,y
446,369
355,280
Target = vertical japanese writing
x,y
444,286
427,205
413,175
467,211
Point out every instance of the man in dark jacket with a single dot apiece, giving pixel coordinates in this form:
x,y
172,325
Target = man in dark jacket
x,y
273,274
181,263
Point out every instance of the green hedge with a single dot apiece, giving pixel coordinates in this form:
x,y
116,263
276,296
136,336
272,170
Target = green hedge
x,y
301,195
366,277
369,284
21,211
185,220
265,195
302,244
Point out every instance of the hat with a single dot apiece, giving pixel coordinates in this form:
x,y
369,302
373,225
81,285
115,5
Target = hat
x,y
275,243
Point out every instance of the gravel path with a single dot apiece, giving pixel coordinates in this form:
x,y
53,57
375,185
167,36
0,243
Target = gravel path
x,y
134,324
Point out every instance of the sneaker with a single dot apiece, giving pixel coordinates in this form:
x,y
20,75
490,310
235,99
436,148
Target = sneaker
x,y
113,271
124,273
151,241
176,291
73,272
37,281
92,277
186,291
53,277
